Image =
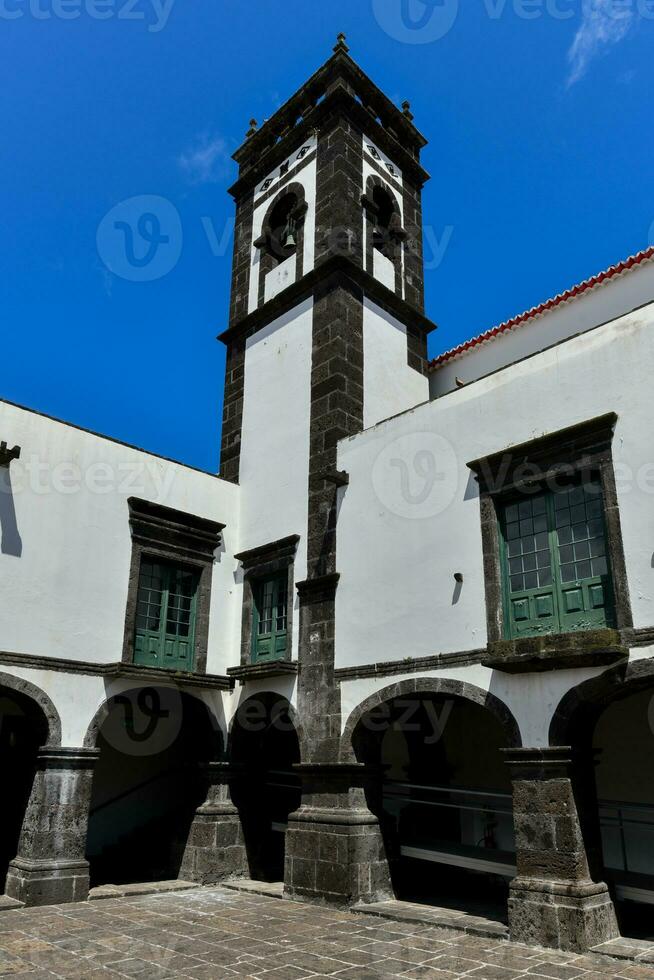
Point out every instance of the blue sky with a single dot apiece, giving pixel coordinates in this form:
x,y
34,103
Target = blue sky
x,y
539,117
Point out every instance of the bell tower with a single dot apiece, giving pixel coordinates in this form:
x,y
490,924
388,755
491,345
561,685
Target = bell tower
x,y
332,184
327,336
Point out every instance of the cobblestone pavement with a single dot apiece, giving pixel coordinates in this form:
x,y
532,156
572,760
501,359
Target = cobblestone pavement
x,y
216,933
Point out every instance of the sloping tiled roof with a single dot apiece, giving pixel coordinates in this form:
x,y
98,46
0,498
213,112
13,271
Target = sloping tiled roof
x,y
550,304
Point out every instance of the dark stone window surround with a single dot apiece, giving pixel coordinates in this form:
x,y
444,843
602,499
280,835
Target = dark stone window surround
x,y
266,259
267,559
165,534
585,447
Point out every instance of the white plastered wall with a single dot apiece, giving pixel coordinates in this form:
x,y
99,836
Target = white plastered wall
x,y
66,524
399,546
274,469
390,385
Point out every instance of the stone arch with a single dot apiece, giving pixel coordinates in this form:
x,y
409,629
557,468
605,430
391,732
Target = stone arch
x,y
431,685
156,743
39,697
581,706
397,233
267,260
102,713
269,696
263,747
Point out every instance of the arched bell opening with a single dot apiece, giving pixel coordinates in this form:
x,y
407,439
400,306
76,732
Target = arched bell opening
x,y
281,243
264,746
148,783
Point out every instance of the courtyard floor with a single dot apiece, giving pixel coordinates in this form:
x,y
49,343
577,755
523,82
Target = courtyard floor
x,y
216,933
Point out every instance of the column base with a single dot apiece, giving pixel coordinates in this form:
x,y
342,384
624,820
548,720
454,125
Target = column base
x,y
215,850
572,916
335,857
47,882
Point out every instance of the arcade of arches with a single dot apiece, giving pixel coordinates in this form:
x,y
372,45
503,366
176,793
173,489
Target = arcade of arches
x,y
434,787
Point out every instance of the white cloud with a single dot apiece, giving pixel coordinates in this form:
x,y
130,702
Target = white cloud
x,y
604,23
206,161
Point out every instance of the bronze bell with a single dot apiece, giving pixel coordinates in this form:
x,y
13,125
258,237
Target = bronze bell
x,y
289,238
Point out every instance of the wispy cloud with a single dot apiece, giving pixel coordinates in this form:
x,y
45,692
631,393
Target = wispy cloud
x,y
604,23
206,161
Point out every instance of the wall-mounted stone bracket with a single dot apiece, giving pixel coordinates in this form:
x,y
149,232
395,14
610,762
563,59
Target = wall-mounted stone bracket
x,y
583,648
7,455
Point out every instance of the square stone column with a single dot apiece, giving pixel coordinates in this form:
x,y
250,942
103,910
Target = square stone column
x,y
215,849
555,900
334,848
50,867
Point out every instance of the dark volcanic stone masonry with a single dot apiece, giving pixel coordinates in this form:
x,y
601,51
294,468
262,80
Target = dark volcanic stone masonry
x,y
218,934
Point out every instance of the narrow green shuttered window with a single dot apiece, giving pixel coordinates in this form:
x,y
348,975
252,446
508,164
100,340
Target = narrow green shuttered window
x,y
165,616
556,574
269,633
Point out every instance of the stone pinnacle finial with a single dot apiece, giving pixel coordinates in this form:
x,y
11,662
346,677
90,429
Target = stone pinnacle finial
x,y
406,110
340,43
253,128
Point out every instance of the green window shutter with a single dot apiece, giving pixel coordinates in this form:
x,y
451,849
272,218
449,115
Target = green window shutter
x,y
581,559
165,616
530,598
269,625
555,569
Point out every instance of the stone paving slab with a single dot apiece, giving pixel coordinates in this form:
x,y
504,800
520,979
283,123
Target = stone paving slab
x,y
221,934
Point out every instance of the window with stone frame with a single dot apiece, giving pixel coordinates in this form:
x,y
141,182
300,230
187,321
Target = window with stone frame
x,y
555,568
267,626
166,613
553,555
270,618
169,594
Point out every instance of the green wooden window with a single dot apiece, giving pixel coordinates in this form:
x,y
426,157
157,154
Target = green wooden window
x,y
556,574
165,615
269,627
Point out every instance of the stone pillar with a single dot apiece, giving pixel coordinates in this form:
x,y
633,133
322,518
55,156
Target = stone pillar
x,y
215,849
50,867
334,848
555,900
